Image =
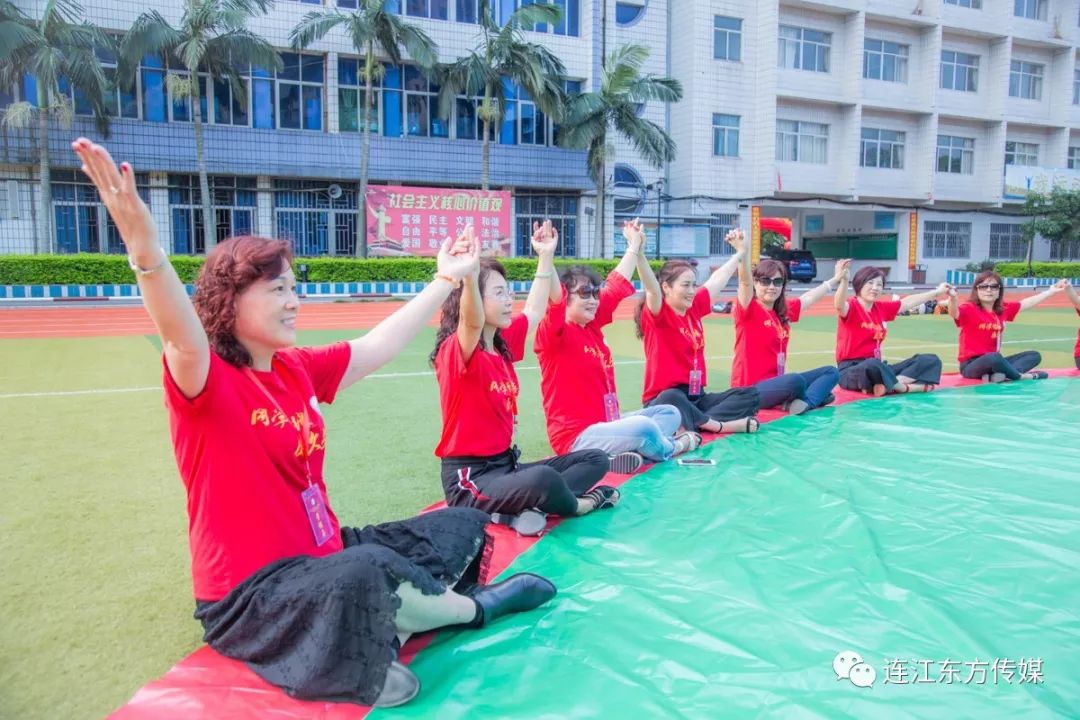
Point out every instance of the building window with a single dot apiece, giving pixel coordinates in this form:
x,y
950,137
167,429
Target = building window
x,y
884,221
1074,158
814,223
883,60
82,224
300,92
1007,242
1076,87
1031,9
434,9
234,210
1025,80
119,103
804,49
725,133
973,4
561,210
351,88
955,154
1021,153
946,239
316,224
533,124
720,226
627,13
468,11
882,149
727,38
799,141
629,191
422,106
959,71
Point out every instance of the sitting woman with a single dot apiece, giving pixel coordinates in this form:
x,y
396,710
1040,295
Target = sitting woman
x,y
1075,298
862,329
763,318
982,323
577,376
313,608
478,342
669,321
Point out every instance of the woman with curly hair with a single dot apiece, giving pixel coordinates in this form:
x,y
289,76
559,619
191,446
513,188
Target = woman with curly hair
x,y
478,342
316,609
982,319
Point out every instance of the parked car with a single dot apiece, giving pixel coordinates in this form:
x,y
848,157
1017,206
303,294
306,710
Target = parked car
x,y
800,263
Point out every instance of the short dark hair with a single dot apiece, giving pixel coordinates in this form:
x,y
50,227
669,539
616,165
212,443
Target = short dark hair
x,y
577,276
865,275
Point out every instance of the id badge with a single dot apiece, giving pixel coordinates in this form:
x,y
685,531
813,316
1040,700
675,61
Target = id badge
x,y
611,407
877,351
317,516
695,382
781,359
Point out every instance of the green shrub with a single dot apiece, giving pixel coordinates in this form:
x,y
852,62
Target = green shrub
x,y
91,269
1040,269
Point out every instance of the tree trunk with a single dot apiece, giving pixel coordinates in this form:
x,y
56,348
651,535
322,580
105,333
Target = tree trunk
x,y
485,147
365,153
209,226
45,233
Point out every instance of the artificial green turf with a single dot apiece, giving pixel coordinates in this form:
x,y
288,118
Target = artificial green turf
x,y
96,592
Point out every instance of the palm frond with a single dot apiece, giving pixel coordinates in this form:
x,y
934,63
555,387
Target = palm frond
x,y
650,140
654,88
421,48
150,34
315,25
18,115
240,48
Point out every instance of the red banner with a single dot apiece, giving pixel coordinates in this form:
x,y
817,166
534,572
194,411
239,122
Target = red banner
x,y
415,220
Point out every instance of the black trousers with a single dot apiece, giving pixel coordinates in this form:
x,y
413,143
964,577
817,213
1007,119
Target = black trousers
x,y
863,375
697,410
1011,367
499,483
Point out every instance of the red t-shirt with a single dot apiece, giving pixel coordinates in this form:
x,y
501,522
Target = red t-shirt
x,y
576,370
981,330
760,340
1076,350
859,334
479,397
674,345
239,458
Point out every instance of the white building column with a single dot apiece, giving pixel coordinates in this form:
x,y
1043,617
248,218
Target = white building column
x,y
159,208
264,198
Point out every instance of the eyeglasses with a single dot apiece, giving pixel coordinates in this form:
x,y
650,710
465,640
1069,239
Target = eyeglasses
x,y
588,292
502,295
775,282
988,286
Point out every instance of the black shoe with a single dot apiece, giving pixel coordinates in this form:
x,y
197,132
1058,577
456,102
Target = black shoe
x,y
518,593
400,687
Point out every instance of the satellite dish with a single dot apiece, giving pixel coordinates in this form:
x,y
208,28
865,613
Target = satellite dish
x,y
334,191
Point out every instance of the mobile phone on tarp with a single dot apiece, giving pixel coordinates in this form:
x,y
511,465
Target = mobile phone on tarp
x,y
695,462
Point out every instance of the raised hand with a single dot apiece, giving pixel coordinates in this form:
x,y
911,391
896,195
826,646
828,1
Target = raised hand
x,y
944,288
461,257
842,268
117,190
1059,286
634,234
545,238
736,238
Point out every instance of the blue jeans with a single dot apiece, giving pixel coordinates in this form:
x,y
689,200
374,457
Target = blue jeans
x,y
812,387
647,431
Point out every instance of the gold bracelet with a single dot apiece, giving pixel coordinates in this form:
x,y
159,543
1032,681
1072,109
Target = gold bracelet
x,y
447,278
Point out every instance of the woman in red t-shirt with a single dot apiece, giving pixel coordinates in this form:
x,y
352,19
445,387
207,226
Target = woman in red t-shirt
x,y
669,321
311,607
861,329
763,318
1075,301
982,323
577,375
478,342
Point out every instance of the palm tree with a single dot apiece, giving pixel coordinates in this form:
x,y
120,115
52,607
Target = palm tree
x,y
212,41
57,49
503,53
591,115
370,25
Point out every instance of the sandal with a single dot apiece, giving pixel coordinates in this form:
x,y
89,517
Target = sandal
x,y
1039,375
752,422
686,442
528,522
625,463
603,497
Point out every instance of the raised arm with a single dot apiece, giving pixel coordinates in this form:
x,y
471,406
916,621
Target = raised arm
x,y
954,304
840,301
635,240
544,288
911,301
1030,302
1070,290
719,279
457,259
737,239
654,294
810,297
187,350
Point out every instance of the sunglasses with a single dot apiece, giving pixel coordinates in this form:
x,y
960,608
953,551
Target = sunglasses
x,y
588,292
987,286
775,282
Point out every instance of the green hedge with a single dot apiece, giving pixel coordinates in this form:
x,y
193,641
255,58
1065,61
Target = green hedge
x,y
90,269
1039,269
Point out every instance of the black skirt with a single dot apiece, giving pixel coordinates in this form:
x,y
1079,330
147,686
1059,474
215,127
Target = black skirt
x,y
323,628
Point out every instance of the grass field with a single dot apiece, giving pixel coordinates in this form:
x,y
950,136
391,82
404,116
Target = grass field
x,y
96,592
